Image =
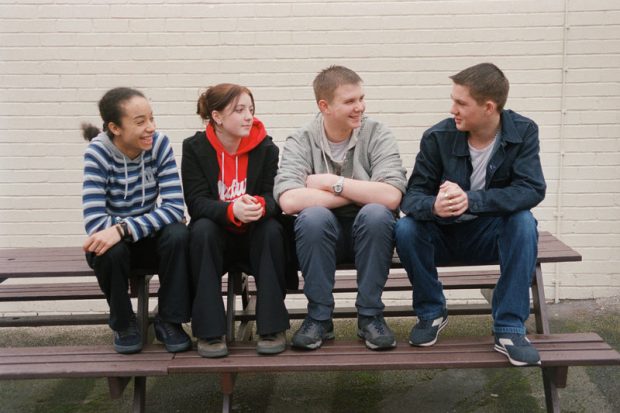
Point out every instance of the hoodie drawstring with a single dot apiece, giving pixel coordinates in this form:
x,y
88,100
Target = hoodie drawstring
x,y
143,178
126,177
222,167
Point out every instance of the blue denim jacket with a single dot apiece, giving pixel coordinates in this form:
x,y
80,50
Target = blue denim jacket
x,y
514,179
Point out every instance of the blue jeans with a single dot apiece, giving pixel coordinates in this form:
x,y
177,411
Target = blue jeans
x,y
323,240
512,240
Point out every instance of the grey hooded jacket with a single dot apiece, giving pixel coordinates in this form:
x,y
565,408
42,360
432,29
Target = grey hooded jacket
x,y
372,155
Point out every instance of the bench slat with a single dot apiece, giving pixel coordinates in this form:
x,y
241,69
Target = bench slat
x,y
80,361
459,352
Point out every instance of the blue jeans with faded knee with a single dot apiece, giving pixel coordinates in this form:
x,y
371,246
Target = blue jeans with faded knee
x,y
324,240
512,240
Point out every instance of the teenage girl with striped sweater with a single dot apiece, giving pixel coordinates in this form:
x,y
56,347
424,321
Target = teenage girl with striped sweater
x,y
127,167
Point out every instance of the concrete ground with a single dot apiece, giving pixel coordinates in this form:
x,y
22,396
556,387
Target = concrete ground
x,y
592,389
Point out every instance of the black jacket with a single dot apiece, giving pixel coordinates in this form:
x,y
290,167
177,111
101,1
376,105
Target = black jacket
x,y
200,171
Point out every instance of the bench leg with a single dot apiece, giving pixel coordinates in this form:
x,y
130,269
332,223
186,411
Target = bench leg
x,y
552,399
142,286
139,394
540,305
117,386
227,385
552,377
230,306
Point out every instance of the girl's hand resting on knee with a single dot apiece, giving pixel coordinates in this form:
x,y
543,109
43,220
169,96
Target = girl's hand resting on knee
x,y
100,242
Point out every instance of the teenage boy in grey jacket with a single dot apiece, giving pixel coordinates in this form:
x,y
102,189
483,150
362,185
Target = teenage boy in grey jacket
x,y
342,174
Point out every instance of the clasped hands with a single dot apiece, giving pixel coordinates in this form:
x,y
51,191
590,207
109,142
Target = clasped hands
x,y
451,200
246,209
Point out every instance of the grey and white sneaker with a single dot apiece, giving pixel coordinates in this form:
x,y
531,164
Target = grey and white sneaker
x,y
517,348
312,332
425,332
375,333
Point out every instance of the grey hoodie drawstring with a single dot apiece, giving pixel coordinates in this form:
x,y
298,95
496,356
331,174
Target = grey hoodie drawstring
x,y
324,156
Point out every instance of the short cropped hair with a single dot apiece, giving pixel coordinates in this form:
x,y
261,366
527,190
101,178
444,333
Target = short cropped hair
x,y
328,80
485,82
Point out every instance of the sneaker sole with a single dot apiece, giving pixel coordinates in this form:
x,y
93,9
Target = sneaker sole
x,y
177,348
373,346
127,349
315,345
430,343
213,354
514,362
270,350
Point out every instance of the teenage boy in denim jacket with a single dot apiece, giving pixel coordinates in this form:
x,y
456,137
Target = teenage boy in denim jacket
x,y
342,174
475,179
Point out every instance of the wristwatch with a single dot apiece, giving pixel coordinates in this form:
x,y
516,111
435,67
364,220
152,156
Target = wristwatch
x,y
126,235
338,186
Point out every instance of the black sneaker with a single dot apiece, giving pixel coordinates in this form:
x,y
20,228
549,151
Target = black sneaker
x,y
425,332
517,348
173,336
375,333
312,332
129,340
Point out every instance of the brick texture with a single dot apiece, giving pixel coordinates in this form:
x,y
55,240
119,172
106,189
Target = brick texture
x,y
562,57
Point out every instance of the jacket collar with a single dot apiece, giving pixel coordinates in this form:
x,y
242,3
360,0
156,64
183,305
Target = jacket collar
x,y
509,135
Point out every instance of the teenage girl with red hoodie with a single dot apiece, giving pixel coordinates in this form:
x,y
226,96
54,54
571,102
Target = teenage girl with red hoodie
x,y
228,173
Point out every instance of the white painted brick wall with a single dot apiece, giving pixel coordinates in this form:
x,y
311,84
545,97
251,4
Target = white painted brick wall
x,y
58,57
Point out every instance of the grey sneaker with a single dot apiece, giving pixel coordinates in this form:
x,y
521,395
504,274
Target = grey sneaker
x,y
375,333
517,348
425,332
312,332
271,343
212,347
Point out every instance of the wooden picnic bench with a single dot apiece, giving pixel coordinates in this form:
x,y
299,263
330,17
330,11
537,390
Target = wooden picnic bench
x,y
563,350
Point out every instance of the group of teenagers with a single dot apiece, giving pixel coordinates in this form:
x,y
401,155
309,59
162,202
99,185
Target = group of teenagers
x,y
341,185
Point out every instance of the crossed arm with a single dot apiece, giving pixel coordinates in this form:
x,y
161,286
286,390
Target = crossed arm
x,y
318,192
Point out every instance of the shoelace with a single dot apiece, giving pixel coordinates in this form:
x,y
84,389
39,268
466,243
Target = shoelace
x,y
379,326
307,325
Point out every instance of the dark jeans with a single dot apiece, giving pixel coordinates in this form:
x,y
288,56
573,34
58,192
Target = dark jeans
x,y
213,249
324,240
166,252
512,240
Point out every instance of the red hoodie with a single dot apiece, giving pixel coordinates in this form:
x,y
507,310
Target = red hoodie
x,y
232,180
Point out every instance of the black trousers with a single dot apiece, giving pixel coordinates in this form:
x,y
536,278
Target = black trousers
x,y
213,249
166,252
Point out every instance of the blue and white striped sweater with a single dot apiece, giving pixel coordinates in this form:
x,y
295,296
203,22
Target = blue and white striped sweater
x,y
116,187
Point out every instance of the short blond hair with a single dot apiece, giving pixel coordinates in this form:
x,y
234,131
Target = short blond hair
x,y
328,80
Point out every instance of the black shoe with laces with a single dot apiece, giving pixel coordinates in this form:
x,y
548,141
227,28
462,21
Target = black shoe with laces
x,y
128,340
173,336
375,333
312,332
